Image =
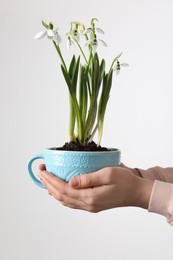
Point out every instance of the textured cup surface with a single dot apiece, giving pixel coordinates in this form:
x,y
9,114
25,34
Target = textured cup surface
x,y
67,164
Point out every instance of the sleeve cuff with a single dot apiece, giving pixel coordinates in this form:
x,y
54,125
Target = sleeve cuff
x,y
161,200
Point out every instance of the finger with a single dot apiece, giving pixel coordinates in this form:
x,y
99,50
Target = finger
x,y
62,197
51,189
42,167
56,185
72,206
91,179
73,198
53,180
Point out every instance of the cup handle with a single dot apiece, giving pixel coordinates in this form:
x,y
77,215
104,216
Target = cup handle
x,y
39,156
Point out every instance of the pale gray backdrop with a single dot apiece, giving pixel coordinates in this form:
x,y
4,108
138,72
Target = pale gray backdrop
x,y
33,115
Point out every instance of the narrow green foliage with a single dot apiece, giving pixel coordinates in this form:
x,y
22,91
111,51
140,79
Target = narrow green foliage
x,y
88,83
83,94
72,66
106,87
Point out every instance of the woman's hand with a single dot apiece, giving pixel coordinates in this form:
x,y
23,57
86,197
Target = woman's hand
x,y
105,189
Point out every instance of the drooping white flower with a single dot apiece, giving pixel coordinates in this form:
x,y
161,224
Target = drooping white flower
x,y
76,35
118,65
94,43
69,43
92,36
50,33
73,33
89,30
76,31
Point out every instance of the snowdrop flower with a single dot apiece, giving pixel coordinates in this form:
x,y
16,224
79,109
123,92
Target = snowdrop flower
x,y
73,33
76,31
118,65
89,30
92,37
69,43
50,33
94,43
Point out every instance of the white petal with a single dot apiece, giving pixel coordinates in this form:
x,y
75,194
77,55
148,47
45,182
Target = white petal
x,y
69,44
87,42
102,42
40,35
50,33
115,68
57,38
124,64
99,30
118,71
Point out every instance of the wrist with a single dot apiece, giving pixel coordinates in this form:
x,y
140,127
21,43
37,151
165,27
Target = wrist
x,y
144,189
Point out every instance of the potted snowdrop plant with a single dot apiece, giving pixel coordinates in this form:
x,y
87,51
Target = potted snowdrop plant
x,y
89,86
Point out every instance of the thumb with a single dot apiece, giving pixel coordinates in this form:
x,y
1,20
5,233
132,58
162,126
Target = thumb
x,y
88,180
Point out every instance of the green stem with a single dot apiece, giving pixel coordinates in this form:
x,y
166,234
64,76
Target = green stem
x,y
89,48
111,67
80,48
60,54
100,132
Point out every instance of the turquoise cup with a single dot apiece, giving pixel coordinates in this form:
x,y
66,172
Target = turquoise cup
x,y
67,164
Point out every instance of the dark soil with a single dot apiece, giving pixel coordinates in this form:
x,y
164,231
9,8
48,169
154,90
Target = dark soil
x,y
77,146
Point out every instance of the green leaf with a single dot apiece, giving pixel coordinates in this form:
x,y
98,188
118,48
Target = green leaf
x,y
67,78
75,103
95,73
72,66
83,94
106,87
102,71
75,75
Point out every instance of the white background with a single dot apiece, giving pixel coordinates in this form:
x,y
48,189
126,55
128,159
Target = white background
x,y
34,115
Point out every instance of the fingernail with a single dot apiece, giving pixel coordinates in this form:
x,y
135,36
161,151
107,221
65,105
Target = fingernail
x,y
75,181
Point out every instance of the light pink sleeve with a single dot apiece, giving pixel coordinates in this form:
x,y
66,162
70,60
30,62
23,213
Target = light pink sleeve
x,y
156,173
161,200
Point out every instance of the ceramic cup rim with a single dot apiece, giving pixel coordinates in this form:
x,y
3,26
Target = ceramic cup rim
x,y
110,150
